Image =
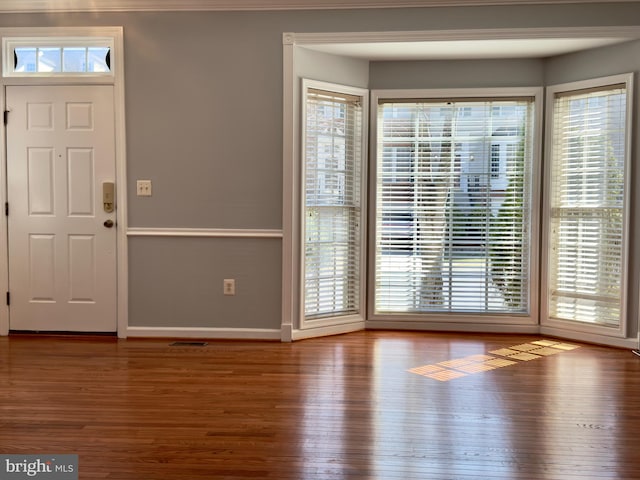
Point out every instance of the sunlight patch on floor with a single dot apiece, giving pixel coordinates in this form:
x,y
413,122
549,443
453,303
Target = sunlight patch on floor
x,y
503,357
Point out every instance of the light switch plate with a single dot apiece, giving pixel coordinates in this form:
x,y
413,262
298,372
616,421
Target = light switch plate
x,y
143,188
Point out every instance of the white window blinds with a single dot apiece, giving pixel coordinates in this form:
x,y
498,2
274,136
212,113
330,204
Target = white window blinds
x,y
454,205
587,205
333,150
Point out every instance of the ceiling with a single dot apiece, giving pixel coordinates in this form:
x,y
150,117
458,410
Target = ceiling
x,y
465,49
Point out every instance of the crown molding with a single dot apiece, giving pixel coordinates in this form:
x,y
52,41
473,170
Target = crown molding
x,y
30,6
622,32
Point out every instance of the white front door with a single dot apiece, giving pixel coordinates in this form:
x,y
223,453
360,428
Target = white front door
x,y
62,251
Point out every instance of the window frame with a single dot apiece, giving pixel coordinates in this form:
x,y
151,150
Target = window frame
x,y
10,44
327,321
554,325
464,320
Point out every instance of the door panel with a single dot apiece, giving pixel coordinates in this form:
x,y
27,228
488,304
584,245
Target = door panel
x,y
62,258
81,194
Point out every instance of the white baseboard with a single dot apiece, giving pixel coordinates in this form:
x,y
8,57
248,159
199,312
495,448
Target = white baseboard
x,y
292,334
451,327
325,331
286,334
631,343
213,333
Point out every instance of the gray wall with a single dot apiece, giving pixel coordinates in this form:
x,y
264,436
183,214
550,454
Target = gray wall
x,y
331,68
458,74
178,283
204,123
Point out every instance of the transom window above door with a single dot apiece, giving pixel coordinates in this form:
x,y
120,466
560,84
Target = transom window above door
x,y
29,57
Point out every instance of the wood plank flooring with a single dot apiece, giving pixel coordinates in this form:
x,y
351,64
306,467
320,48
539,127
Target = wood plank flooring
x,y
342,407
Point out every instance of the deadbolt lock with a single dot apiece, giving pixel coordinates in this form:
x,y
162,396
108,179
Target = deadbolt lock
x,y
108,197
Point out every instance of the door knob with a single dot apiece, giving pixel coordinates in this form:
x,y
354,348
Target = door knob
x,y
108,223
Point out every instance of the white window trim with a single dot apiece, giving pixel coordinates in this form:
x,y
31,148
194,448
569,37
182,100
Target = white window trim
x,y
9,44
344,319
435,319
117,80
558,325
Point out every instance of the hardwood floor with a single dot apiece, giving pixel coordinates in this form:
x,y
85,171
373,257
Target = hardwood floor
x,y
342,407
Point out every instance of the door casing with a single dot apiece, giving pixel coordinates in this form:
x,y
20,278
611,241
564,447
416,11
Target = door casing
x,y
117,80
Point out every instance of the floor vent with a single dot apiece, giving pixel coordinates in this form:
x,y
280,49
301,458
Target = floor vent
x,y
188,344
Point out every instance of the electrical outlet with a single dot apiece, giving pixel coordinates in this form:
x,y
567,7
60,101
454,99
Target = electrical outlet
x,y
143,188
229,286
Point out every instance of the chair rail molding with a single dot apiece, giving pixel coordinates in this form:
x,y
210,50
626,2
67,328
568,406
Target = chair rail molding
x,y
204,232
